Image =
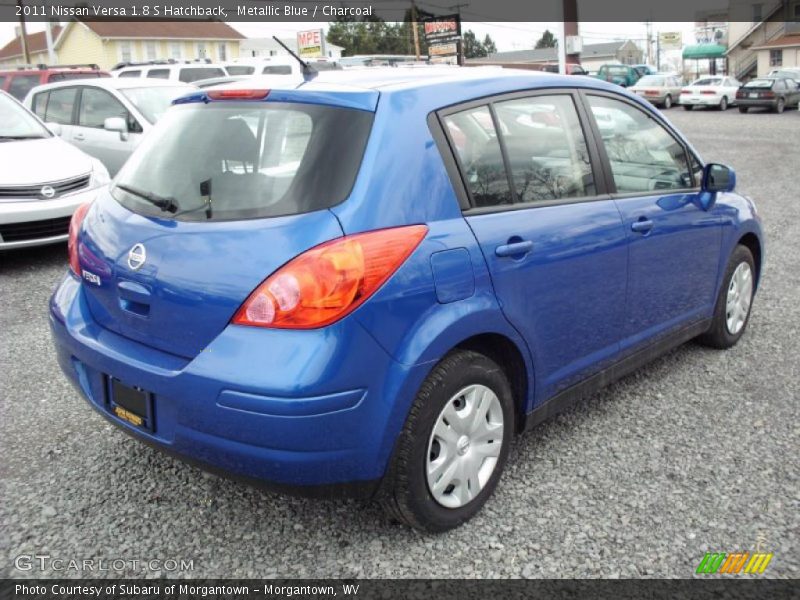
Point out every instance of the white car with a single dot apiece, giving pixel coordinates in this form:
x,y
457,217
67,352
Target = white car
x,y
717,91
43,179
277,66
185,72
105,117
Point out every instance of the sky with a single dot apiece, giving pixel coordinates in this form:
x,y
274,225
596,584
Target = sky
x,y
507,36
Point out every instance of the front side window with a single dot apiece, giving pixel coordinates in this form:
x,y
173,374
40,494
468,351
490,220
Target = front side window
x,y
190,74
158,73
247,160
97,106
133,73
546,149
644,156
474,138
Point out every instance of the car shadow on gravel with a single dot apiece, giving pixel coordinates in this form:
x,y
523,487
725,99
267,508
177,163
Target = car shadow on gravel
x,y
29,259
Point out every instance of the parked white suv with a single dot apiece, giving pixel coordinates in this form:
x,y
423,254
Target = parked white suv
x,y
43,179
186,72
105,117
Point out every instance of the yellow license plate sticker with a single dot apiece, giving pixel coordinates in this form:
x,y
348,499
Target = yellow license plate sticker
x,y
128,416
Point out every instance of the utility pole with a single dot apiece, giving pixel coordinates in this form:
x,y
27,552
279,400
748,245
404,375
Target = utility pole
x,y
414,27
460,43
570,8
23,34
649,26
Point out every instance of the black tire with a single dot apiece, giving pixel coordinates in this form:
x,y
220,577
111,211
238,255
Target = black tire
x,y
780,105
718,335
667,102
743,109
405,495
723,104
687,107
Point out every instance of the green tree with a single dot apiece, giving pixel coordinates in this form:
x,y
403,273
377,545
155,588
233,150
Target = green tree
x,y
489,45
548,40
472,47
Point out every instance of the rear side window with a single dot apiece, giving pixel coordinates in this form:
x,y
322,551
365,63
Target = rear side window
x,y
644,156
22,84
133,73
191,74
277,70
248,160
473,135
547,153
39,104
158,73
60,104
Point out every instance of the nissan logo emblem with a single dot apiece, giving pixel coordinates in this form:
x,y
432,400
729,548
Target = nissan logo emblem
x,y
47,191
136,257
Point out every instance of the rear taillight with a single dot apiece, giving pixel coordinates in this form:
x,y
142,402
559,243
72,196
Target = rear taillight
x,y
72,244
767,94
740,94
328,282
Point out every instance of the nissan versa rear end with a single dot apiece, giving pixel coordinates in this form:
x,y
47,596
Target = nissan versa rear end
x,y
367,283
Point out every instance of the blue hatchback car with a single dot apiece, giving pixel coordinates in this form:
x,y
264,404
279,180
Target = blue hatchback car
x,y
369,282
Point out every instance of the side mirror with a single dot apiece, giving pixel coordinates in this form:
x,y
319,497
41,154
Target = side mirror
x,y
718,178
117,124
55,128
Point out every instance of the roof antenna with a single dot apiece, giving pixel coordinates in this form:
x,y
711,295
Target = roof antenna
x,y
309,72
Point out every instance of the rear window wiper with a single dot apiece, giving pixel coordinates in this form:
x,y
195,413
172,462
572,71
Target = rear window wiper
x,y
165,203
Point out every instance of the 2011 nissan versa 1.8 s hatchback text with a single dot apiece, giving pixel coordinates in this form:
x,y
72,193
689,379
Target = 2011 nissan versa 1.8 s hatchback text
x,y
371,281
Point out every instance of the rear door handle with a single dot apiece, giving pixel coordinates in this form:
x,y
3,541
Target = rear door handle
x,y
643,225
514,249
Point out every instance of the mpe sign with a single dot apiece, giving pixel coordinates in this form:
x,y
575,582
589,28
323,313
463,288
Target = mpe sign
x,y
311,44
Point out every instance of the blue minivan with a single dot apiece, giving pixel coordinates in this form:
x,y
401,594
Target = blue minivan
x,y
369,282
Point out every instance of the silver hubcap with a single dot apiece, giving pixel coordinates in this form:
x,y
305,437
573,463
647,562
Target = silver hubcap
x,y
464,446
740,294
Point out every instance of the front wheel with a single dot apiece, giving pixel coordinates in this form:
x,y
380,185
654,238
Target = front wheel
x,y
723,104
732,311
454,444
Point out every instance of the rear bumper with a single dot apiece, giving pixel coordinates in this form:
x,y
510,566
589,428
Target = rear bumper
x,y
757,103
291,410
40,211
706,100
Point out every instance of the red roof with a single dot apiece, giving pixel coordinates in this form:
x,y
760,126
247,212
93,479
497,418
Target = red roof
x,y
784,41
37,42
160,30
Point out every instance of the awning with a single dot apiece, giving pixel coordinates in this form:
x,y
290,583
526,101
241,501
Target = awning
x,y
704,51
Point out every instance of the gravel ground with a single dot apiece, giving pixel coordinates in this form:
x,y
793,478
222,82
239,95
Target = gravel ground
x,y
696,452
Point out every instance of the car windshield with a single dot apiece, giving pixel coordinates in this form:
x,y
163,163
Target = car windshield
x,y
759,83
153,102
617,70
243,160
708,81
16,123
651,80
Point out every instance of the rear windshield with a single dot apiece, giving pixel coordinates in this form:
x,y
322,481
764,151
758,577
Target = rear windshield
x,y
240,69
652,80
760,83
243,160
188,75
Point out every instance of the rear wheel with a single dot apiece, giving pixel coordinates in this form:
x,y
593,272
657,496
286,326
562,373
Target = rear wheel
x,y
743,109
454,445
723,104
687,107
780,105
732,311
667,102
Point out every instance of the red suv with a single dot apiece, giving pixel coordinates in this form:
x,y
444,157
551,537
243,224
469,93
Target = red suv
x,y
18,82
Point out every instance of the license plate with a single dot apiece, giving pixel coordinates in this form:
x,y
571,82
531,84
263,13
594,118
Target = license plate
x,y
131,404
753,95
